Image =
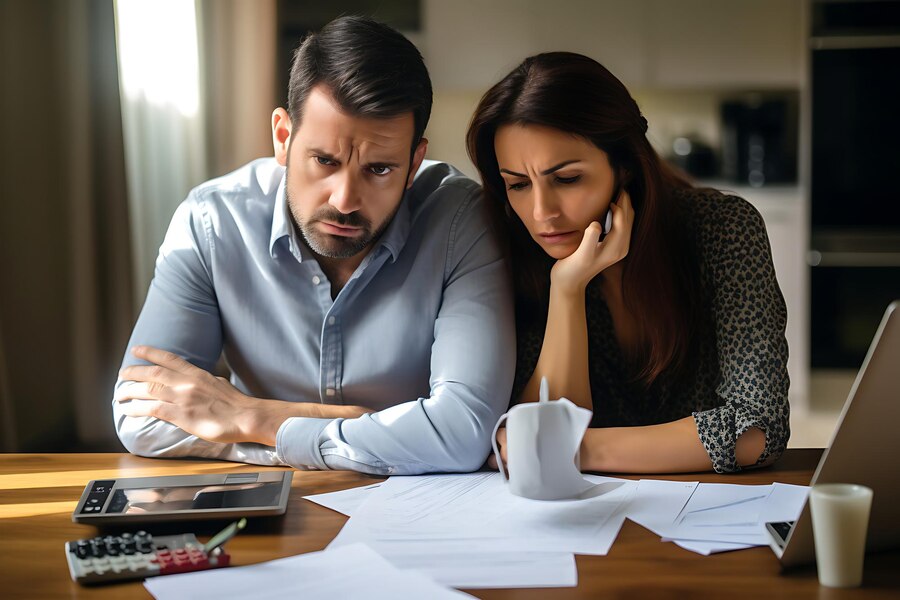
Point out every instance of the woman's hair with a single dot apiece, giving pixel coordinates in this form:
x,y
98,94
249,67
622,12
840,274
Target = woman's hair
x,y
577,95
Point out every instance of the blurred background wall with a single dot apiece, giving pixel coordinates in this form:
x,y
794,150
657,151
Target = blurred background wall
x,y
112,111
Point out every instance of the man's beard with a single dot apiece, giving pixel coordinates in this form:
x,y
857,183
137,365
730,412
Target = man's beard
x,y
334,246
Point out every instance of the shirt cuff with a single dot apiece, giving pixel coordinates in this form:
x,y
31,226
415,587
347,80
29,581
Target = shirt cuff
x,y
297,442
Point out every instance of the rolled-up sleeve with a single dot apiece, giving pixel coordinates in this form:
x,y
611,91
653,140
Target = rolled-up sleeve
x,y
750,319
472,365
181,315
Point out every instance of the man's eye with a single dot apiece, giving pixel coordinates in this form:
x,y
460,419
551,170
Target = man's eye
x,y
325,162
520,185
380,170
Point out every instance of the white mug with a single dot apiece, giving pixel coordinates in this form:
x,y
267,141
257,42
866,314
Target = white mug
x,y
840,518
542,443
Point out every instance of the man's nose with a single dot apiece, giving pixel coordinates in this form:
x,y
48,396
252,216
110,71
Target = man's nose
x,y
345,195
546,206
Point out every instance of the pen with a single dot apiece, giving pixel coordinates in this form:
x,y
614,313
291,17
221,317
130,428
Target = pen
x,y
224,535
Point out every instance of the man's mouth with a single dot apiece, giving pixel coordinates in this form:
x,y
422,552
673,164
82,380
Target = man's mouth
x,y
341,230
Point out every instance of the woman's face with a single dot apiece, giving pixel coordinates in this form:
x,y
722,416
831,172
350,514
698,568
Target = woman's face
x,y
557,183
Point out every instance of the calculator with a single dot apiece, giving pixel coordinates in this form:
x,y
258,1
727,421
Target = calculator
x,y
104,559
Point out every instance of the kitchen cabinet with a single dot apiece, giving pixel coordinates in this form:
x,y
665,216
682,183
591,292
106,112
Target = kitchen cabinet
x,y
470,44
726,43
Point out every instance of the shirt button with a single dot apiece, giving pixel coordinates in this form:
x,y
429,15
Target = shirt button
x,y
316,280
329,392
331,320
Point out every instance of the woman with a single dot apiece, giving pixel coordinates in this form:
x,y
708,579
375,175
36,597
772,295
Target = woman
x,y
668,323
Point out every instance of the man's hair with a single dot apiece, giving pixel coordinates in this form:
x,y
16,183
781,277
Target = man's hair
x,y
370,70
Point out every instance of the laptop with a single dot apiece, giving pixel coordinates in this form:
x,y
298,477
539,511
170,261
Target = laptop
x,y
864,449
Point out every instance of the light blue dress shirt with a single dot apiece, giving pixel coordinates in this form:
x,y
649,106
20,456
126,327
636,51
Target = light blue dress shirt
x,y
423,331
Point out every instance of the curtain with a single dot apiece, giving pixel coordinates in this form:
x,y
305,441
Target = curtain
x,y
77,243
65,288
238,41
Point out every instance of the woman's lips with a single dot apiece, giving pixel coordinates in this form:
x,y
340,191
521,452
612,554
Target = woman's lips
x,y
340,230
557,237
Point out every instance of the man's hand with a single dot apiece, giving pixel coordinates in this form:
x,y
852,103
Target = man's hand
x,y
174,390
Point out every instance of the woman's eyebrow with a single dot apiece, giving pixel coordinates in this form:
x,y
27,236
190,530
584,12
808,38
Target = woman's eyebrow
x,y
552,169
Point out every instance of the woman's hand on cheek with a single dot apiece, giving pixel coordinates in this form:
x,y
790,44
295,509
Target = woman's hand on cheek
x,y
573,273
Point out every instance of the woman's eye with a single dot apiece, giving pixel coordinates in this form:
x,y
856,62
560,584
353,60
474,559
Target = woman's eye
x,y
565,180
380,170
325,162
520,185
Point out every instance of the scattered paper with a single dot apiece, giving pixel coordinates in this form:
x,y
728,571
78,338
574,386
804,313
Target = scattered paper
x,y
344,501
484,570
478,507
724,517
707,548
354,571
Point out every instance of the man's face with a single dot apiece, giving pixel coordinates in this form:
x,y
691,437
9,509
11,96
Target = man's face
x,y
345,175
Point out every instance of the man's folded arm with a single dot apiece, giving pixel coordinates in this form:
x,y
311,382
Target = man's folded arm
x,y
472,366
181,315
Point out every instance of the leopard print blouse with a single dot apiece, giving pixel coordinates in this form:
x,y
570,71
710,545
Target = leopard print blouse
x,y
740,376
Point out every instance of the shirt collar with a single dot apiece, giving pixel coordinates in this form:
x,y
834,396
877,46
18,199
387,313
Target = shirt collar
x,y
394,237
282,225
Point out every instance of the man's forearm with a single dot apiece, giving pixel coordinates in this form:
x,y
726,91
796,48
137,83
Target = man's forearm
x,y
268,415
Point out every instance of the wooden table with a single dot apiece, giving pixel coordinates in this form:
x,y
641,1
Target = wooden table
x,y
38,493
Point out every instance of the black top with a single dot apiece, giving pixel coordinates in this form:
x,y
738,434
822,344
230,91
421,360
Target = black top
x,y
739,375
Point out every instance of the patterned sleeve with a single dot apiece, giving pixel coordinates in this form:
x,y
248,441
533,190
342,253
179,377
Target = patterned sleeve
x,y
750,318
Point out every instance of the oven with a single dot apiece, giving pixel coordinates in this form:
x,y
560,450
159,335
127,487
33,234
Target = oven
x,y
854,256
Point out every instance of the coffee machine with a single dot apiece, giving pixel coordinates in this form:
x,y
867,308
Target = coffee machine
x,y
759,139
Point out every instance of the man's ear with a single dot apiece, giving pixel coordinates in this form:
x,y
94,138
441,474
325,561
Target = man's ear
x,y
418,157
281,135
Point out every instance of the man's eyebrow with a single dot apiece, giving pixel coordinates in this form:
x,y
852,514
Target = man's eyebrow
x,y
552,169
320,152
370,165
382,163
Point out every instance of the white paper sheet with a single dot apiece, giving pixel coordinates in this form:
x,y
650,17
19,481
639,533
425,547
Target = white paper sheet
x,y
479,508
707,548
344,501
724,517
657,503
354,571
484,570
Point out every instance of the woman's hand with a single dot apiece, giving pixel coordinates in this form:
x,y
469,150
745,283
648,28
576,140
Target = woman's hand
x,y
573,273
501,445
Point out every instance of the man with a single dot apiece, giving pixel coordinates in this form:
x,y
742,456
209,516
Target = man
x,y
357,293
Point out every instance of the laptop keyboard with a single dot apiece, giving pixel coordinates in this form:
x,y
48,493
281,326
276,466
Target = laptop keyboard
x,y
783,529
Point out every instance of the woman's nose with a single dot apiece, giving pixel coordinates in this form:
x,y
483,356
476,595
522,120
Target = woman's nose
x,y
545,205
